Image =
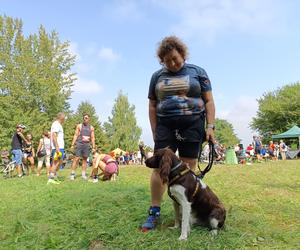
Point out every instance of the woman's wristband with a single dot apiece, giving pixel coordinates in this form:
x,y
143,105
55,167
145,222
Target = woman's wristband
x,y
209,125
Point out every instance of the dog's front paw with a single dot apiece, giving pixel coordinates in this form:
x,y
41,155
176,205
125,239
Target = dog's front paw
x,y
213,232
182,237
174,227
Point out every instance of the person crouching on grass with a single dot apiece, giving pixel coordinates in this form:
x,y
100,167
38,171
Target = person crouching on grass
x,y
107,165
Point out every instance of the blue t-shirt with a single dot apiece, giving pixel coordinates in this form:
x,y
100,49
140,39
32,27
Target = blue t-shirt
x,y
179,93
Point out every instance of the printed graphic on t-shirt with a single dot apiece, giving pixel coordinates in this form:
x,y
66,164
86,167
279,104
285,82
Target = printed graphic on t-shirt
x,y
86,138
173,86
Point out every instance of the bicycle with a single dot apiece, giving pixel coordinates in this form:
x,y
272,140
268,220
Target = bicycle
x,y
8,168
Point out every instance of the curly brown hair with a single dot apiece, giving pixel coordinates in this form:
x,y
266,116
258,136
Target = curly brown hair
x,y
168,44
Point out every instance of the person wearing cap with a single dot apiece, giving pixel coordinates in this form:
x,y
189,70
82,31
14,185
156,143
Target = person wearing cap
x,y
16,144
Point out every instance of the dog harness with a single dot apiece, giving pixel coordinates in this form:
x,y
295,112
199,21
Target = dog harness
x,y
198,178
178,176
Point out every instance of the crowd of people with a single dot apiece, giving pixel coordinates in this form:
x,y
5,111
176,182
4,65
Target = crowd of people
x,y
132,158
254,152
51,152
259,151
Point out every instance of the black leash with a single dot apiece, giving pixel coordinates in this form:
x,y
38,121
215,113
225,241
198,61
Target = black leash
x,y
210,160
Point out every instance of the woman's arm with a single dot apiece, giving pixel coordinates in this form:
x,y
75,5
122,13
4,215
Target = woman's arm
x,y
210,114
93,138
102,165
32,151
152,116
39,146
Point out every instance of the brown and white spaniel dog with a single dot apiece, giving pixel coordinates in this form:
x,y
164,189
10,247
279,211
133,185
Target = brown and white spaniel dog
x,y
194,202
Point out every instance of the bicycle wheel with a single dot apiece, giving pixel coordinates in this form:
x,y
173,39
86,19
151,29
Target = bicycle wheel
x,y
11,169
2,168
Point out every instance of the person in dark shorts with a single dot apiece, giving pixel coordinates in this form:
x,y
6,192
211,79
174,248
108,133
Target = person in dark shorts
x,y
17,142
142,151
84,136
29,153
181,112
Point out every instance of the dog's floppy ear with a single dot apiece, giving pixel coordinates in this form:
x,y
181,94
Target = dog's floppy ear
x,y
151,162
165,165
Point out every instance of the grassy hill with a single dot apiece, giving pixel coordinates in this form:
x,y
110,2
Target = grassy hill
x,y
262,201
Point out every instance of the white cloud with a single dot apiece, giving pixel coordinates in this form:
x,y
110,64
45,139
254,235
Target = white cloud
x,y
240,115
85,86
207,19
108,54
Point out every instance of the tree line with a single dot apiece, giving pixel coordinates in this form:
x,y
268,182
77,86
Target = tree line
x,y
278,111
36,81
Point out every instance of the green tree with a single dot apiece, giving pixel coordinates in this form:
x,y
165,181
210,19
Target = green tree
x,y
121,128
35,78
278,110
225,133
101,139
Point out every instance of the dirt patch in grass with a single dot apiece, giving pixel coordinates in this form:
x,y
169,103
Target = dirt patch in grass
x,y
96,245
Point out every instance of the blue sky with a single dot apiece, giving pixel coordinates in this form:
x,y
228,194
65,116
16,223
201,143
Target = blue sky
x,y
246,47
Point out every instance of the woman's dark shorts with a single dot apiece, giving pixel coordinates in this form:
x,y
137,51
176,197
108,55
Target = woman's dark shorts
x,y
182,133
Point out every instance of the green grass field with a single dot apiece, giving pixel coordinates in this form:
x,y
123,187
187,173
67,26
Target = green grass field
x,y
262,201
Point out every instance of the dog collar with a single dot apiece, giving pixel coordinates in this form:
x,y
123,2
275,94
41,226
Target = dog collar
x,y
177,166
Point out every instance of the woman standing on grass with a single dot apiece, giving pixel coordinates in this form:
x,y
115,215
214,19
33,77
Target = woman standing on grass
x,y
180,100
44,152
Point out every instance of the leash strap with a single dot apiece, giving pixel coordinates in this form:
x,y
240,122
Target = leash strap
x,y
210,160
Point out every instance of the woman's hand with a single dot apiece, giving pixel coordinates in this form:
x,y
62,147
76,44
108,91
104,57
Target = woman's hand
x,y
210,135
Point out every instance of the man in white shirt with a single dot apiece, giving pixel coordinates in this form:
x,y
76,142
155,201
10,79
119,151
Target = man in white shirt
x,y
58,145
